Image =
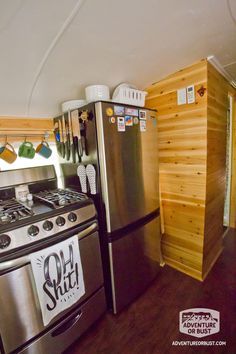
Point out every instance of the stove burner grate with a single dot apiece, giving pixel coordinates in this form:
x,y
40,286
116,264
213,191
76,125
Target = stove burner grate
x,y
60,197
12,210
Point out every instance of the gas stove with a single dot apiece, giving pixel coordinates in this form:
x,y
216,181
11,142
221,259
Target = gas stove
x,y
44,218
49,214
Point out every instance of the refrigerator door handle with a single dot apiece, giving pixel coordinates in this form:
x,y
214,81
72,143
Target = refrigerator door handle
x,y
102,160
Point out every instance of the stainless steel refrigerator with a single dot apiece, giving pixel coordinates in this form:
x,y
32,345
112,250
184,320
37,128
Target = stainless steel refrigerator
x,y
122,143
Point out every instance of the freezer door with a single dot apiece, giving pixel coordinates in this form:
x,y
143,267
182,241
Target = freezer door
x,y
134,262
129,166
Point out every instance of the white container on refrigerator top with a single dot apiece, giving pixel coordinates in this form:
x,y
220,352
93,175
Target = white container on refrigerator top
x,y
127,94
97,93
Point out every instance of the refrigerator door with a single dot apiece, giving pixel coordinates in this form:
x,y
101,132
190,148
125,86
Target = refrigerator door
x,y
134,262
128,163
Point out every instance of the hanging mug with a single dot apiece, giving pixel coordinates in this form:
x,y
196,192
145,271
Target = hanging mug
x,y
7,153
44,150
26,150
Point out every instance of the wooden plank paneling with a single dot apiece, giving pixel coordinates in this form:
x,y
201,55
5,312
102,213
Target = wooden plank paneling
x,y
217,104
182,161
25,126
192,156
194,73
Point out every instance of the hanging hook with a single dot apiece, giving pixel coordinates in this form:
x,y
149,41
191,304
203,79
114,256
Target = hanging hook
x,y
45,136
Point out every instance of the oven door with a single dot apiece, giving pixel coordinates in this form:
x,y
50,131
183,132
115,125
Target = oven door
x,y
20,314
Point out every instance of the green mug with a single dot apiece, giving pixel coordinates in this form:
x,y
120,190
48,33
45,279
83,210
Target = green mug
x,y
26,150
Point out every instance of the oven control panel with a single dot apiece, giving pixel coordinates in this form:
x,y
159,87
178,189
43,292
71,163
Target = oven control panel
x,y
45,228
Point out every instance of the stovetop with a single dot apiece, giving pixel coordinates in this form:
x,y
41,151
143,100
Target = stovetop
x,y
50,212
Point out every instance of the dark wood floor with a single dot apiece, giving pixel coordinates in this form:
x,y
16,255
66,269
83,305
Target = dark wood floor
x,y
151,324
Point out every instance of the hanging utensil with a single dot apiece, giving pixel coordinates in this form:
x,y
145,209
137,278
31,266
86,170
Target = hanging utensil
x,y
61,131
83,118
76,133
57,136
74,117
67,136
67,151
83,137
72,146
80,140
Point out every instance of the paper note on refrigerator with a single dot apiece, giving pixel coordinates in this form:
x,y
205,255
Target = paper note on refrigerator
x,y
121,124
143,125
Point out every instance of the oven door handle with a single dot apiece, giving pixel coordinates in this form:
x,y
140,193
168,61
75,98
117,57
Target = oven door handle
x,y
19,262
67,325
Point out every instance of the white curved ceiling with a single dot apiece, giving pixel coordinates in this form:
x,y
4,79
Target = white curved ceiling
x,y
108,41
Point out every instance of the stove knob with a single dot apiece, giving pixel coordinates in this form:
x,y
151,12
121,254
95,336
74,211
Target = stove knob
x,y
5,241
47,225
33,230
60,221
72,217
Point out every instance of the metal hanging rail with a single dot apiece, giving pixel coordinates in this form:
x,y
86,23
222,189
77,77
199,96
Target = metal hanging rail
x,y
45,135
